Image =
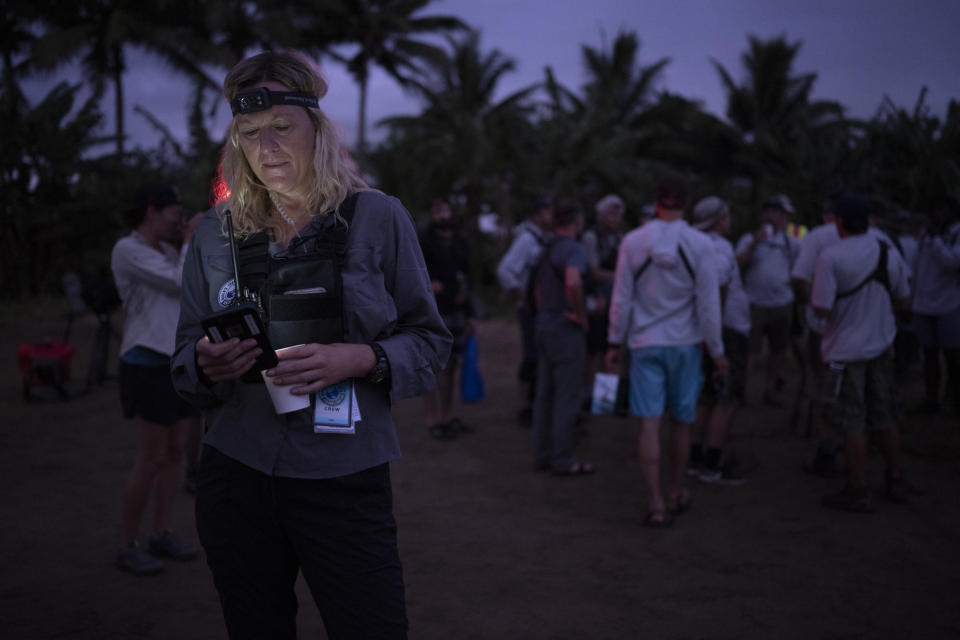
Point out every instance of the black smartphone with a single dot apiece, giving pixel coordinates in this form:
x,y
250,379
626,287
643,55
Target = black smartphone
x,y
243,323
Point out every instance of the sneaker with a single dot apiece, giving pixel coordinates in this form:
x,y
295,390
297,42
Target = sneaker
x,y
460,426
724,474
896,490
822,465
169,545
442,431
849,499
137,561
694,469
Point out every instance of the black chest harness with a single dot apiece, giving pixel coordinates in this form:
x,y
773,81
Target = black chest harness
x,y
299,290
880,274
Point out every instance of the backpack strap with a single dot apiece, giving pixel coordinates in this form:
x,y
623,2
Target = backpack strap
x,y
649,260
542,263
686,262
880,274
643,267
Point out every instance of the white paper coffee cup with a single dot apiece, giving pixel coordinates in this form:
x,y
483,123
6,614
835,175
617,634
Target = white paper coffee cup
x,y
283,400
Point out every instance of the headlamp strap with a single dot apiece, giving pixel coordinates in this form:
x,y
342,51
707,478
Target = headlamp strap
x,y
261,99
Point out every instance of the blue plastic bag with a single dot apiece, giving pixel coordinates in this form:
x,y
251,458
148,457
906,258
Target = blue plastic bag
x,y
471,382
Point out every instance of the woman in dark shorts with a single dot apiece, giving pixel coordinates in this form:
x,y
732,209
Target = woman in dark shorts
x,y
147,268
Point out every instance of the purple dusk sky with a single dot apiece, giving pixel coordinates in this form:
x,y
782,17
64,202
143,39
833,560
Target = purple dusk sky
x,y
860,49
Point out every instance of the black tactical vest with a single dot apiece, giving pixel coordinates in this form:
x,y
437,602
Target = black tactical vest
x,y
300,289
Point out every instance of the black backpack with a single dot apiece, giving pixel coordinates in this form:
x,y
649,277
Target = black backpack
x,y
532,294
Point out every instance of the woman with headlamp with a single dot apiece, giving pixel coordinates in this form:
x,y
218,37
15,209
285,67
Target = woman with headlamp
x,y
336,270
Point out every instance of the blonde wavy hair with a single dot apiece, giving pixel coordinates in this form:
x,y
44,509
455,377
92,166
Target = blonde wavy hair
x,y
335,174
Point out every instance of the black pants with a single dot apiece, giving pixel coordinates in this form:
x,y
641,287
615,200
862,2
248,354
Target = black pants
x,y
259,531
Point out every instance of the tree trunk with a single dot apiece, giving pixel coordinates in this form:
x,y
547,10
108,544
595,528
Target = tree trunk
x,y
118,96
362,115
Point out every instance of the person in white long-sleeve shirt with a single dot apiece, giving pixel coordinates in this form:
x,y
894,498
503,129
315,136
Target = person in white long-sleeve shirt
x,y
513,272
665,302
936,302
857,284
147,270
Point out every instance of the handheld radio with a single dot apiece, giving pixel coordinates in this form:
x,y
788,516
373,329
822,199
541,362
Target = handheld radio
x,y
242,320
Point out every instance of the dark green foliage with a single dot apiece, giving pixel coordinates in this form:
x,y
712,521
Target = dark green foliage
x,y
618,132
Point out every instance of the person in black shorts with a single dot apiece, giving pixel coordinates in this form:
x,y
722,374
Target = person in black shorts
x,y
147,269
447,256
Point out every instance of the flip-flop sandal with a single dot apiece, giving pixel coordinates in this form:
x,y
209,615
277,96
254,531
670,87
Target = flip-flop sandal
x,y
681,504
576,469
658,519
460,426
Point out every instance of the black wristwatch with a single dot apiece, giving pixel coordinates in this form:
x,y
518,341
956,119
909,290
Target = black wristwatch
x,y
381,369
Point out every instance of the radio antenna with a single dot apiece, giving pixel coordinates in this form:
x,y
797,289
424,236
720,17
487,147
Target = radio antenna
x,y
238,295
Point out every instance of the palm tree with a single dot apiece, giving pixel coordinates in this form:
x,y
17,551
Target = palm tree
x,y
37,188
384,34
618,88
593,140
99,32
16,38
465,139
784,131
909,155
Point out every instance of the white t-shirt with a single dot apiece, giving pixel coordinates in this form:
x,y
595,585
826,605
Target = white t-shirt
x,y
910,246
523,254
816,240
861,326
736,307
148,282
665,305
766,278
937,277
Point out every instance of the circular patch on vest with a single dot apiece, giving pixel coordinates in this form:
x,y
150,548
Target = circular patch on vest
x,y
333,395
227,293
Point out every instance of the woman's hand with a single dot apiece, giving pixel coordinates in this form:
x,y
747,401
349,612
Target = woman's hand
x,y
312,367
226,360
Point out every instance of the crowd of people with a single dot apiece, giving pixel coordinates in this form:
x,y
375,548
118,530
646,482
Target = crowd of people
x,y
362,310
685,318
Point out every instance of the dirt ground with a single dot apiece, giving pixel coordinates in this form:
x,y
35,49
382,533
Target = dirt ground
x,y
492,549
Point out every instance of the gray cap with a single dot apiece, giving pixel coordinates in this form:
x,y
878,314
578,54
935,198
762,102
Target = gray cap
x,y
706,212
779,201
607,201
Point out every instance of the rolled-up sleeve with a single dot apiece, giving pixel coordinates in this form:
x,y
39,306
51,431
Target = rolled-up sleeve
x,y
194,306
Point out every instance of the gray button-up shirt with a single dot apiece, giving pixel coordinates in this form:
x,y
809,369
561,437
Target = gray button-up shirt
x,y
387,298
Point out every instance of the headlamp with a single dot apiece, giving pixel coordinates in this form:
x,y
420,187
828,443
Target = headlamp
x,y
261,99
